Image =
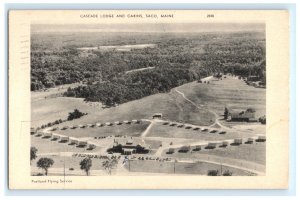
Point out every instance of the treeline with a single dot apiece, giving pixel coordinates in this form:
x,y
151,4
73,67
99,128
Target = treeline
x,y
134,86
201,53
176,60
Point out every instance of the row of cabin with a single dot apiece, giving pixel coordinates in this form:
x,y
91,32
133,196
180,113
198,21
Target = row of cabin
x,y
65,139
213,145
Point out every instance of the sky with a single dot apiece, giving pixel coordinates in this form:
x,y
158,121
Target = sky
x,y
158,27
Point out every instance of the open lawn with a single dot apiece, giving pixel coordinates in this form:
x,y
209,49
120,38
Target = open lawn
x,y
230,92
52,109
116,130
172,106
255,152
199,168
70,162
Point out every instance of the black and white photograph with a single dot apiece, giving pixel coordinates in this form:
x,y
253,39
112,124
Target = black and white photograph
x,y
148,99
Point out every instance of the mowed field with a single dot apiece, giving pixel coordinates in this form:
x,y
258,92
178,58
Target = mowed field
x,y
116,130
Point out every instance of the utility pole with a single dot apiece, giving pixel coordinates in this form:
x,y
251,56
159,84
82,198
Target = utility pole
x,y
221,169
129,164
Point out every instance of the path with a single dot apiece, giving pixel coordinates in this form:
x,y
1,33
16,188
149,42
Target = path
x,y
147,129
214,113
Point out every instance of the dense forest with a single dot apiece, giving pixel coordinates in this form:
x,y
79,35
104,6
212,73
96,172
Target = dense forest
x,y
176,59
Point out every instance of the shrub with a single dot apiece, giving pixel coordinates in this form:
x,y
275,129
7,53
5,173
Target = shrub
x,y
227,173
213,173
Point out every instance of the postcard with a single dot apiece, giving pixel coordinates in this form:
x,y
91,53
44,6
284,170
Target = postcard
x,y
148,99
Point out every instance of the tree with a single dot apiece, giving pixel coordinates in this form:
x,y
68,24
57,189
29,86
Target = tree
x,y
227,173
75,114
109,164
86,165
226,113
45,163
213,173
33,152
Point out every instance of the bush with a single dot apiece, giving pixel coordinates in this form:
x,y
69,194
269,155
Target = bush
x,y
75,114
213,173
262,119
227,173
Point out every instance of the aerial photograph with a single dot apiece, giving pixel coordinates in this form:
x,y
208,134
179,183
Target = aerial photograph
x,y
152,99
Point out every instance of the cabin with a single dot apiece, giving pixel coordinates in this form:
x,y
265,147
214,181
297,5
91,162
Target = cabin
x,y
238,141
184,149
73,141
225,144
98,124
55,136
81,143
91,146
157,116
253,78
32,131
211,145
108,124
180,125
89,125
134,121
65,127
197,148
241,115
261,138
249,141
64,139
171,150
47,135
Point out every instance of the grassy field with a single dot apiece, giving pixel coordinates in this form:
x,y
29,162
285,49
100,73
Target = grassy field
x,y
122,130
70,162
230,92
167,131
248,152
199,168
52,109
172,106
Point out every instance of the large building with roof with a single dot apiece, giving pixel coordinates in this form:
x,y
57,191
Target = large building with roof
x,y
241,115
129,146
